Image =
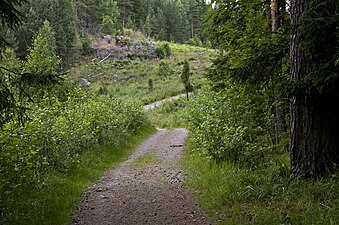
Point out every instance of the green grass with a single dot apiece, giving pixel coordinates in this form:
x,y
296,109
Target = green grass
x,y
129,79
171,114
53,202
233,195
146,160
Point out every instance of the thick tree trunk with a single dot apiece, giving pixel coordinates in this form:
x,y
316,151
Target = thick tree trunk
x,y
314,141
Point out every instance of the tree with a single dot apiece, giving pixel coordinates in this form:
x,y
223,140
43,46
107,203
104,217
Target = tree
x,y
107,25
185,77
10,108
42,58
148,26
110,16
10,17
314,140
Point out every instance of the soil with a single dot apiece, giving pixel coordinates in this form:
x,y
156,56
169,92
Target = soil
x,y
145,189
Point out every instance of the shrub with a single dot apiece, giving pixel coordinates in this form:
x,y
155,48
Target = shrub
x,y
57,136
163,50
164,70
222,127
160,52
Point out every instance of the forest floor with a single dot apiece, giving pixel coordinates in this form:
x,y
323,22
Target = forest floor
x,y
145,189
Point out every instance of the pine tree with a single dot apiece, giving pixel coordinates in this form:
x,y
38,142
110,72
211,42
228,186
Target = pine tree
x,y
148,27
42,59
185,77
314,71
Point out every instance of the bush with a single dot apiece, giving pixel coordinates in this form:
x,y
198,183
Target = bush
x,y
164,70
222,127
57,136
163,50
86,46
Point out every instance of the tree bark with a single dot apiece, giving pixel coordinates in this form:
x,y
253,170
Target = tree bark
x,y
280,115
314,140
275,15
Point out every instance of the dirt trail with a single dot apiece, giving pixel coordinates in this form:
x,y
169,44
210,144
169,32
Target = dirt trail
x,y
145,189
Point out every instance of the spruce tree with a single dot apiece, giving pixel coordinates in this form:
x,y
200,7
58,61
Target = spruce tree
x,y
185,77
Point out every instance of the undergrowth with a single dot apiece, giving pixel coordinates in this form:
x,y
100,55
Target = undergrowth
x,y
234,195
47,163
53,201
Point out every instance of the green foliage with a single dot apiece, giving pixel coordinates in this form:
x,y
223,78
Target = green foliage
x,y
160,52
148,26
171,114
86,46
185,76
233,195
194,41
228,125
42,58
57,136
163,50
10,17
164,70
150,84
319,41
41,203
107,25
110,14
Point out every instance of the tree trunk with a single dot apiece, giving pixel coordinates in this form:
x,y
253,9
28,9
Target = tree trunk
x,y
314,141
280,115
275,15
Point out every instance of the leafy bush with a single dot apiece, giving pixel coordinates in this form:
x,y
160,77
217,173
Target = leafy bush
x,y
164,70
57,136
222,127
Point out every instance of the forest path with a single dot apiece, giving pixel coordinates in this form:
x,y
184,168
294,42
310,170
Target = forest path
x,y
145,189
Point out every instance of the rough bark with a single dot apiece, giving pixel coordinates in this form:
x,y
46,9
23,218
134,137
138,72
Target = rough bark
x,y
314,141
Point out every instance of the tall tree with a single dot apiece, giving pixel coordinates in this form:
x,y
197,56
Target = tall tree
x,y
314,140
10,17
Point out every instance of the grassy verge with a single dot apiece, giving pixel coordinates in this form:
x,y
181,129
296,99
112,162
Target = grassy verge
x,y
54,201
232,195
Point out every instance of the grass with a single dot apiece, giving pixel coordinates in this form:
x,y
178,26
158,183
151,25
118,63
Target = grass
x,y
129,79
233,195
146,160
170,114
53,202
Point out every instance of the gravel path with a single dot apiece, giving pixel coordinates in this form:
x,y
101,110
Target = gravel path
x,y
145,189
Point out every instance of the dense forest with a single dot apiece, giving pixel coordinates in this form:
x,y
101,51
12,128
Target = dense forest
x,y
262,115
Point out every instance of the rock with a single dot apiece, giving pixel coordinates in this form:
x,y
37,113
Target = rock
x,y
83,83
108,38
